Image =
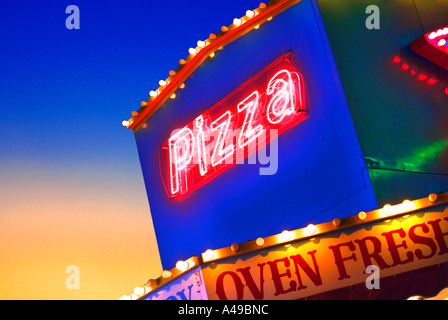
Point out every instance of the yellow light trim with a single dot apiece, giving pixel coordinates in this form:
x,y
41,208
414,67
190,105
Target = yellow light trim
x,y
401,209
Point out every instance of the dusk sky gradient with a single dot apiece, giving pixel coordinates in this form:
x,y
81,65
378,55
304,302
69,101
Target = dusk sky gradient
x,y
71,187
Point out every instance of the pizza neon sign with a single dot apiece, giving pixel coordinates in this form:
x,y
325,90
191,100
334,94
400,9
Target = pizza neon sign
x,y
246,120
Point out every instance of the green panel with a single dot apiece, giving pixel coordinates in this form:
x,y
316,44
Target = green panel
x,y
401,122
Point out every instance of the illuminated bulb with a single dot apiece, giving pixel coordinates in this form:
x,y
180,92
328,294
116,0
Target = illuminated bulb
x,y
259,242
139,291
143,103
134,296
432,197
182,265
250,13
182,62
310,229
237,21
153,93
432,35
406,205
172,73
125,297
269,19
224,29
134,113
388,210
182,86
441,42
263,5
257,26
285,236
162,82
397,59
422,77
125,123
166,274
173,96
212,55
362,215
201,43
209,255
212,36
192,51
336,222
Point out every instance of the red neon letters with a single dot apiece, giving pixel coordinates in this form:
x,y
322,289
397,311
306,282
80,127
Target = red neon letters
x,y
262,108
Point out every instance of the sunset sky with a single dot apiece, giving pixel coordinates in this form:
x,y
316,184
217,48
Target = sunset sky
x,y
71,187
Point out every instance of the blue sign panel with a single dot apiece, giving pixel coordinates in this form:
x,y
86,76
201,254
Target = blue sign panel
x,y
311,173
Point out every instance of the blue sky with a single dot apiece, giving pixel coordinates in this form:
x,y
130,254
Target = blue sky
x,y
70,180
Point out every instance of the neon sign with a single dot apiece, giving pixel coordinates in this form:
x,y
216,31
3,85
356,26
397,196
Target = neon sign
x,y
433,46
246,120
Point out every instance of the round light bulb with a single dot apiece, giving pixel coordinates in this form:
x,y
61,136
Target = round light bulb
x,y
192,51
182,265
153,93
406,205
237,21
432,197
336,222
209,255
310,229
362,215
139,291
285,236
125,123
250,13
162,82
166,274
259,241
387,209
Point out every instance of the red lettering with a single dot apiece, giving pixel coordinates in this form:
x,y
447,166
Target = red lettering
x,y
375,254
339,260
258,293
439,235
314,275
239,286
393,247
422,240
276,276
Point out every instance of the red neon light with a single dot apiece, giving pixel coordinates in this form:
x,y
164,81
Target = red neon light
x,y
421,76
433,46
235,127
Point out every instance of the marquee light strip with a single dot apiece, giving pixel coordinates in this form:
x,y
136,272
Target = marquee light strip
x,y
252,20
309,232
